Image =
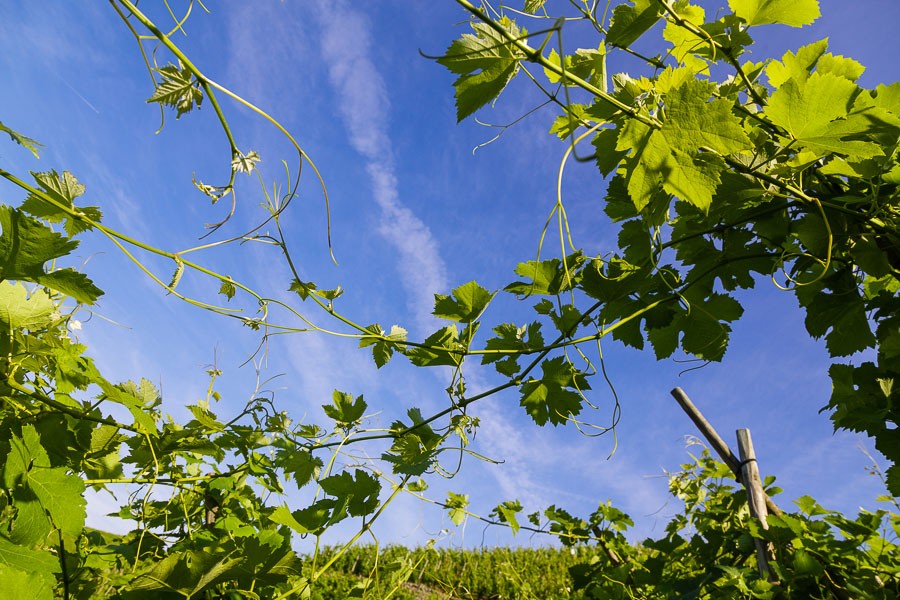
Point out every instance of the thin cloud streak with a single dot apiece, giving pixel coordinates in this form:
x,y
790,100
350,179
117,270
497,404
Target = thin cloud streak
x,y
364,107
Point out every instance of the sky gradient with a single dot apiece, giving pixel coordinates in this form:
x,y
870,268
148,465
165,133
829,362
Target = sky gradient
x,y
419,204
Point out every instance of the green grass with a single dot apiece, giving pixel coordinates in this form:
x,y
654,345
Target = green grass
x,y
429,574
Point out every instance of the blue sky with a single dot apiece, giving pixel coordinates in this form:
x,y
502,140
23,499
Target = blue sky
x,y
414,211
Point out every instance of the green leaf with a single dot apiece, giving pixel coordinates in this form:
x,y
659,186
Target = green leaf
x,y
486,62
608,156
282,515
515,340
842,319
63,190
796,66
840,66
532,6
415,447
441,348
22,140
814,112
305,289
673,155
25,453
18,310
795,13
32,526
346,411
359,491
506,513
556,396
548,277
140,400
302,465
31,585
629,22
228,289
687,44
62,496
456,505
383,349
26,245
468,302
245,163
178,89
15,557
186,573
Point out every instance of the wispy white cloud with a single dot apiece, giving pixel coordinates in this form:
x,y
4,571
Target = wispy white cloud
x,y
364,106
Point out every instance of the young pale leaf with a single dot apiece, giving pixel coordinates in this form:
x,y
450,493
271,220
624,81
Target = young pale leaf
x,y
486,62
795,13
178,89
346,411
245,163
22,140
228,289
383,350
468,302
62,189
506,513
456,505
532,6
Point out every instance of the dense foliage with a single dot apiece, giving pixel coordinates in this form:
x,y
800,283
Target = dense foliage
x,y
721,171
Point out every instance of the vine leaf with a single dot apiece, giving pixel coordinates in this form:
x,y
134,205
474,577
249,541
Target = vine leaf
x,y
441,348
795,13
456,506
245,163
814,113
60,495
179,89
676,155
687,45
15,558
486,62
382,349
506,512
532,6
346,411
548,277
555,396
358,492
414,447
26,244
63,189
468,302
631,22
22,140
18,310
796,66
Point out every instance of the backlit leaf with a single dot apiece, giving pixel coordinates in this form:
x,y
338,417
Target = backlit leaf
x,y
485,63
795,13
